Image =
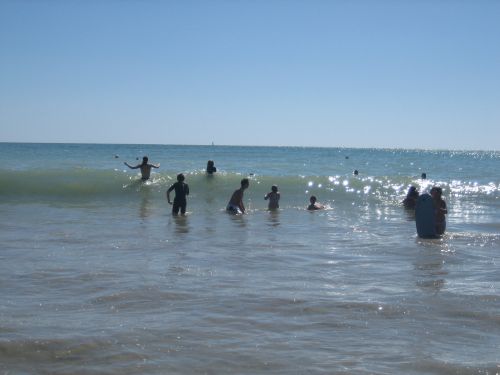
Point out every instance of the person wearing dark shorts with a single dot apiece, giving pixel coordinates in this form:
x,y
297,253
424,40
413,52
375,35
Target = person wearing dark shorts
x,y
181,192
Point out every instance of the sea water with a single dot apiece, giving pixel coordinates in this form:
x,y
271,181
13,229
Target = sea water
x,y
97,276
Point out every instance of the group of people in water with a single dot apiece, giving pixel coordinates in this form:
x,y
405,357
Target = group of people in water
x,y
236,206
440,209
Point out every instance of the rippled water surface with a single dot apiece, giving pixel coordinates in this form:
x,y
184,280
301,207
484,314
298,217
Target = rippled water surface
x,y
97,277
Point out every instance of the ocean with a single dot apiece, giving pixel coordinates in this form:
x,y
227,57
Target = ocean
x,y
97,276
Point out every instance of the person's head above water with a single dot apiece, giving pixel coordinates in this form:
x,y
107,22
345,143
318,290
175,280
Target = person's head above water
x,y
145,160
436,191
412,192
180,177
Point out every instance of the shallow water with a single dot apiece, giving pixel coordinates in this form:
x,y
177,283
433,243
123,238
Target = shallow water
x,y
96,276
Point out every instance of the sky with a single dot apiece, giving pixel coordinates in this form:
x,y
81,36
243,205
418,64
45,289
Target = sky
x,y
349,73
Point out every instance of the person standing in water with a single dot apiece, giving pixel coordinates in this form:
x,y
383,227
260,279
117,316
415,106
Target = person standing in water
x,y
145,168
181,192
235,205
274,197
411,198
211,167
440,209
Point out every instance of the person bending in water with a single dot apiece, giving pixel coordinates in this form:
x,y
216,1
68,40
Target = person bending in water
x,y
145,168
274,198
181,191
440,209
235,205
314,204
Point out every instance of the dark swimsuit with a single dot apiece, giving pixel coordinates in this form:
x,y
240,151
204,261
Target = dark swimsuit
x,y
181,191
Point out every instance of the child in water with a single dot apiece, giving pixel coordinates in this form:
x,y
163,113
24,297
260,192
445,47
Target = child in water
x,y
181,191
440,209
274,197
314,204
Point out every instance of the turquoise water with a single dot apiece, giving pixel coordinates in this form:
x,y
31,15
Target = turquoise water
x,y
97,277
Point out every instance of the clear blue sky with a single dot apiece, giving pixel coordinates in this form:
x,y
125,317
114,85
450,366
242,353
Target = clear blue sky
x,y
388,73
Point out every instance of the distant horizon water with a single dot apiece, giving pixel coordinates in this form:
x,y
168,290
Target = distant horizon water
x,y
240,145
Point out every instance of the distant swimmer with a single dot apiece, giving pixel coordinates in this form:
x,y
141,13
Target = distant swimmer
x,y
145,168
314,205
181,192
355,172
411,198
424,176
211,167
274,198
235,205
440,209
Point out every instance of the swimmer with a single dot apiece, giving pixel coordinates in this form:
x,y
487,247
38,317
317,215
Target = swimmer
x,y
314,204
145,168
235,205
274,197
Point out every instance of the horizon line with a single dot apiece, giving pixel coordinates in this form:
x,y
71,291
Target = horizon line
x,y
263,146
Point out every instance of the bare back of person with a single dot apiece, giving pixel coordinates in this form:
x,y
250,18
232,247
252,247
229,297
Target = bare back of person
x,y
237,199
145,168
235,205
145,171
